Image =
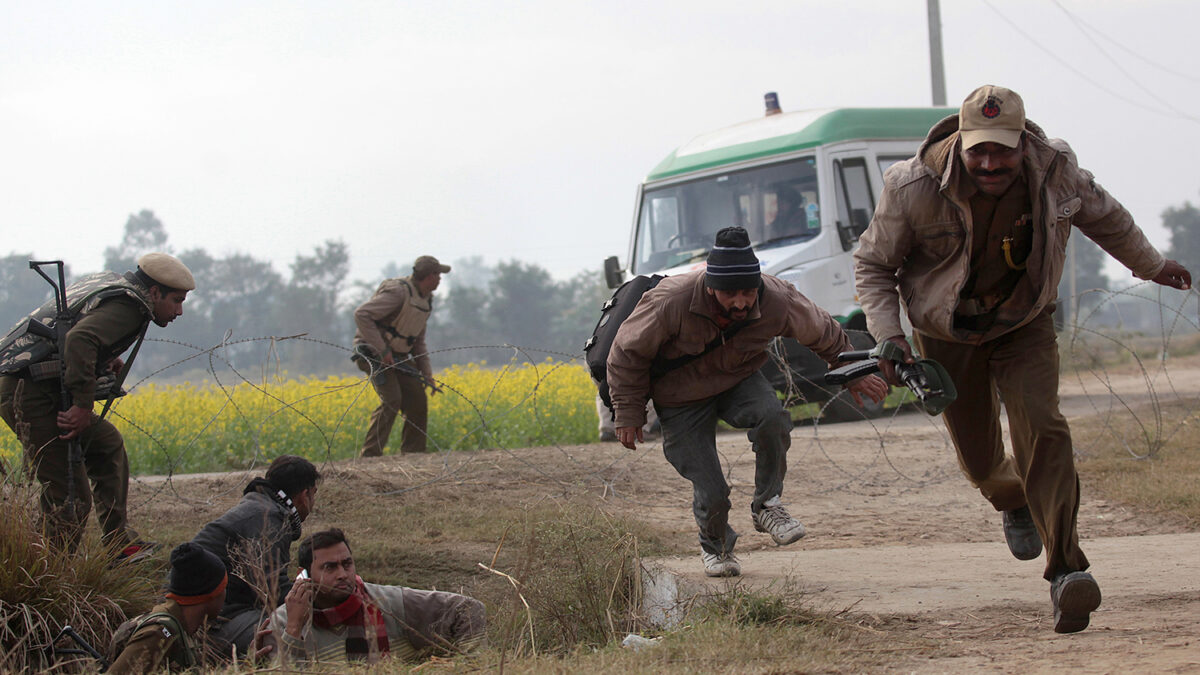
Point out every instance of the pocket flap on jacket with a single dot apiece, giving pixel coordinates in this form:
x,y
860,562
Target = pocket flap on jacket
x,y
1068,207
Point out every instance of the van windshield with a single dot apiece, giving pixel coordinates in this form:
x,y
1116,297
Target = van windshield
x,y
777,205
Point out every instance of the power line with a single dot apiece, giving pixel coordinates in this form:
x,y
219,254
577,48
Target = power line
x,y
1127,50
1083,76
1079,25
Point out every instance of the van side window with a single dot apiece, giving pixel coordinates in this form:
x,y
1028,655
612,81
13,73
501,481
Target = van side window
x,y
856,204
659,226
886,161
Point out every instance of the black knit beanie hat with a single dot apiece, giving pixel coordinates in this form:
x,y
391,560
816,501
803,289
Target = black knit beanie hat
x,y
732,264
195,571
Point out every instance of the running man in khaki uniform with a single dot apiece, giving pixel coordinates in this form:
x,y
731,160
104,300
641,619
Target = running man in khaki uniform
x,y
972,234
389,345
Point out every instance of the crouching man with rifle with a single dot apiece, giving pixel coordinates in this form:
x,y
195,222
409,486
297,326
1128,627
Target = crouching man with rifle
x,y
56,363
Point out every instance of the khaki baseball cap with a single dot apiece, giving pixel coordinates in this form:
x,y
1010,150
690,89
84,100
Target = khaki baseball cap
x,y
992,114
167,270
428,264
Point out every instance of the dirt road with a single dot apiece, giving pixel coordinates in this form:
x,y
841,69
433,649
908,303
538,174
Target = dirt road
x,y
898,540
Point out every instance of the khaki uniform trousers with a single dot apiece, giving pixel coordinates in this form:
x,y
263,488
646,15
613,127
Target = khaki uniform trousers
x,y
1023,367
105,465
402,393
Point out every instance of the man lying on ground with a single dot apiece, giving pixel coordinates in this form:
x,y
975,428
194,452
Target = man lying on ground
x,y
333,616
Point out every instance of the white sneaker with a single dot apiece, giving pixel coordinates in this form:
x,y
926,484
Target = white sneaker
x,y
775,520
721,565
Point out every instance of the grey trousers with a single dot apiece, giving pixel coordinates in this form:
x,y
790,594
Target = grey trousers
x,y
690,445
236,631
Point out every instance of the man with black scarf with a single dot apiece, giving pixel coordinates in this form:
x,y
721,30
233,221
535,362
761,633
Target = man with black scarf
x,y
254,540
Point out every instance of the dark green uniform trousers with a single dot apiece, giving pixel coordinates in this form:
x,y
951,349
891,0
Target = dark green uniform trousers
x,y
102,477
1023,367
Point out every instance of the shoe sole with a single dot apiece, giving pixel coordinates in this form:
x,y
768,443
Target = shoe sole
x,y
1077,599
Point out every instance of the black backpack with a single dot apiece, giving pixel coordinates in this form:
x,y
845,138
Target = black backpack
x,y
612,314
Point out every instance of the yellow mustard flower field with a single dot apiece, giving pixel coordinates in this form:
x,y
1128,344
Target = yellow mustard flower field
x,y
187,428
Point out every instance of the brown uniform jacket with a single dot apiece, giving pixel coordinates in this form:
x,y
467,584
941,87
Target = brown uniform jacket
x,y
918,246
676,318
156,646
382,308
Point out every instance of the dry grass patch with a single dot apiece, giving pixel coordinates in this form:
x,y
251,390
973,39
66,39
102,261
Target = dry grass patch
x,y
43,589
1163,481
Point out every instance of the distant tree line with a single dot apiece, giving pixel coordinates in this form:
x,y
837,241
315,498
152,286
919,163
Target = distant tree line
x,y
241,300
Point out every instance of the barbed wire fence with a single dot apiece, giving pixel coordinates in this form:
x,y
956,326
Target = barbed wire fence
x,y
1119,374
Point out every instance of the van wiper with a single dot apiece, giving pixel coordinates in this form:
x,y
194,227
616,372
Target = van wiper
x,y
786,239
693,257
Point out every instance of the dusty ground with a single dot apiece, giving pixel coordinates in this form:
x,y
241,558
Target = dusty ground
x,y
896,538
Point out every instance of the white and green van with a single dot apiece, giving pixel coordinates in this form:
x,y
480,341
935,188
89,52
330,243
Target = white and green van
x,y
804,185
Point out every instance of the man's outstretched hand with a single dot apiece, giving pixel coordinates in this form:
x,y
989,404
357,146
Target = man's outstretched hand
x,y
1174,275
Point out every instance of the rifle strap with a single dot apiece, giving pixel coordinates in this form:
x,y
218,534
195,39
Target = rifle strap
x,y
125,369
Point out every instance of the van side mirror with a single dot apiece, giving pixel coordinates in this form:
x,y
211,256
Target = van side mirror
x,y
846,234
614,276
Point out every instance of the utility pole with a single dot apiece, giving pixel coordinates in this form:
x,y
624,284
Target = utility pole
x,y
937,70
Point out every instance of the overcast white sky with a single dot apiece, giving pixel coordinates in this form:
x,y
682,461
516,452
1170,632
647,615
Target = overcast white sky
x,y
515,129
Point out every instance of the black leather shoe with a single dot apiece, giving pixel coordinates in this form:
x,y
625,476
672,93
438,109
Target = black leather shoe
x,y
1075,596
1021,535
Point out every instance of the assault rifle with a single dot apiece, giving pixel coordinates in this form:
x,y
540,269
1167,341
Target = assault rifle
x,y
86,649
926,378
62,325
368,353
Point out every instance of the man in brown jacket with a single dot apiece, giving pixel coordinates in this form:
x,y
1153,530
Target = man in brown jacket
x,y
971,233
695,344
389,346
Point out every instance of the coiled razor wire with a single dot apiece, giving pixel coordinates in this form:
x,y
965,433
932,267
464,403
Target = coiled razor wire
x,y
615,477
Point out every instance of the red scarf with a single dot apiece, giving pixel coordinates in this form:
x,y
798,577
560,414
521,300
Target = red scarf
x,y
361,618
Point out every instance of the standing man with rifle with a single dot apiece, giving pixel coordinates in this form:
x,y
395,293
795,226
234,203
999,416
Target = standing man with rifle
x,y
972,234
389,345
56,363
